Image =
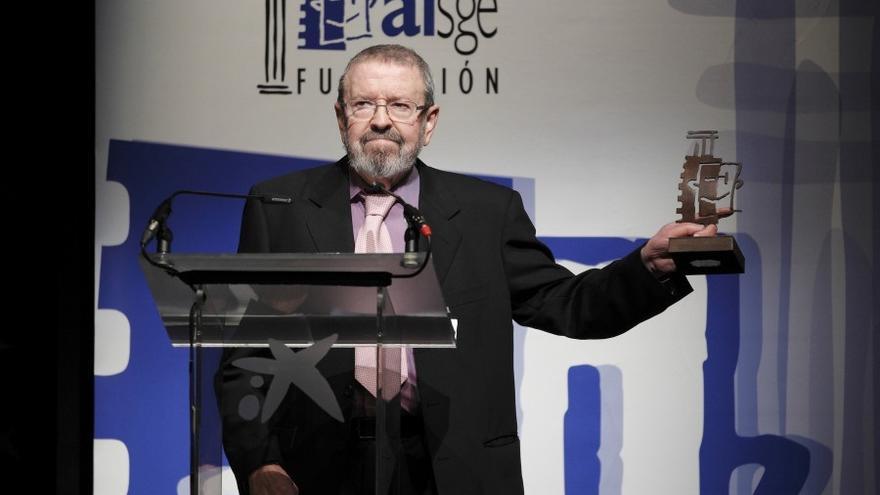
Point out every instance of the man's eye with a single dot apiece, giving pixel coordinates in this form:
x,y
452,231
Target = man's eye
x,y
361,104
400,106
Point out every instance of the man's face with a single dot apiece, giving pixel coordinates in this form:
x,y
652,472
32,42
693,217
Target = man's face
x,y
379,148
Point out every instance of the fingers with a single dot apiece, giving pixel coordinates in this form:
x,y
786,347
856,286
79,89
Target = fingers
x,y
679,229
687,230
655,253
707,231
692,228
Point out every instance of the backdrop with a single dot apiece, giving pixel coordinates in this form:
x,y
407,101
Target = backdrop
x,y
767,379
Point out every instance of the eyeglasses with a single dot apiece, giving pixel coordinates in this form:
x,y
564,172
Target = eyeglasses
x,y
403,111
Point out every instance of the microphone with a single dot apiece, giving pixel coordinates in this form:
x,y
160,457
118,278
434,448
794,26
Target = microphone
x,y
415,224
157,222
412,214
157,227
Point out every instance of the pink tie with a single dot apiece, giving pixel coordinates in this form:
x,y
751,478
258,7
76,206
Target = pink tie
x,y
374,238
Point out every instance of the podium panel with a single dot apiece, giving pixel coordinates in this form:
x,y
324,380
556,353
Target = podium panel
x,y
272,341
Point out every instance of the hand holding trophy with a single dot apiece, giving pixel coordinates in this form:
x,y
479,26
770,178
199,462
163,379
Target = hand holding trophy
x,y
706,193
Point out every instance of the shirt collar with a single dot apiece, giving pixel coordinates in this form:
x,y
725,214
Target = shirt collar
x,y
408,188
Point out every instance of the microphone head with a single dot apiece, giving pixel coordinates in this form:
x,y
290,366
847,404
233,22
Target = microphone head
x,y
274,199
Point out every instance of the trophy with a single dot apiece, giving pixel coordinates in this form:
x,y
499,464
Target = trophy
x,y
706,193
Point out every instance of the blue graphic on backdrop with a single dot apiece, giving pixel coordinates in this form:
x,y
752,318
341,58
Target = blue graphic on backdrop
x,y
593,435
145,406
773,85
594,393
786,462
583,431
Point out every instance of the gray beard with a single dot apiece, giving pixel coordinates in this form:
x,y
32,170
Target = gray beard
x,y
382,164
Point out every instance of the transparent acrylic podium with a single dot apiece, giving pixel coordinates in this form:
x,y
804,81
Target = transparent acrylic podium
x,y
242,316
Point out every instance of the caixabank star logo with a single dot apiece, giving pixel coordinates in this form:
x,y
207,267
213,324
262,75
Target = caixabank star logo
x,y
351,25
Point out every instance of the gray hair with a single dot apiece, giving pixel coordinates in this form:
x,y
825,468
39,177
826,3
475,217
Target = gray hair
x,y
396,54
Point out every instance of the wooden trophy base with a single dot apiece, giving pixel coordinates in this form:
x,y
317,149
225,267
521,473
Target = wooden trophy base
x,y
707,255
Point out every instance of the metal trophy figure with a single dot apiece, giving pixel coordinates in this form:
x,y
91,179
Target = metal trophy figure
x,y
706,193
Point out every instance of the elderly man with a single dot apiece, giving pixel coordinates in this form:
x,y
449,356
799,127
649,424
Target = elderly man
x,y
460,430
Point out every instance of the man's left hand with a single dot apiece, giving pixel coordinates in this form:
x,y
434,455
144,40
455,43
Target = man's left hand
x,y
655,254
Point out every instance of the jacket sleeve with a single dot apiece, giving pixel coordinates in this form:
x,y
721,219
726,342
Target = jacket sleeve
x,y
598,303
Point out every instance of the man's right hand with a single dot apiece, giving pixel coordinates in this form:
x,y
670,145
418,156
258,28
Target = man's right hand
x,y
271,479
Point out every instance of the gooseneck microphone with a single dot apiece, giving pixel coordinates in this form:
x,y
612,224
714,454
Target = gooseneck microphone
x,y
416,224
412,214
157,227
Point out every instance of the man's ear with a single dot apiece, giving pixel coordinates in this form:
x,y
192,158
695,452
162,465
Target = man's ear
x,y
431,116
341,121
340,117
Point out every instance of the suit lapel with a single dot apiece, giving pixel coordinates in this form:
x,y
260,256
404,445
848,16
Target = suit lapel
x,y
439,206
329,221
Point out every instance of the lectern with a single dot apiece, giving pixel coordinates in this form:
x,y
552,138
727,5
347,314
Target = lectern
x,y
256,309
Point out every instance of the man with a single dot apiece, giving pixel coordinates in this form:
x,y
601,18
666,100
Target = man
x,y
491,269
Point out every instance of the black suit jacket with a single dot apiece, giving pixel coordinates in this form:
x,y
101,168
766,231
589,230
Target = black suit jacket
x,y
492,270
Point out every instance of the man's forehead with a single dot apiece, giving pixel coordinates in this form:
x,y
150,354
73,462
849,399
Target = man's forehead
x,y
381,75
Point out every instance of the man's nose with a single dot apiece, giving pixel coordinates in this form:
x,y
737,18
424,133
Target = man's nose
x,y
380,118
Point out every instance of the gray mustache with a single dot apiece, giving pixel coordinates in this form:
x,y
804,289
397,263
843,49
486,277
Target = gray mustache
x,y
390,135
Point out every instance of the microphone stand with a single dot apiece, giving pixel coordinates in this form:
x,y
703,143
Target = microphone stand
x,y
158,227
416,225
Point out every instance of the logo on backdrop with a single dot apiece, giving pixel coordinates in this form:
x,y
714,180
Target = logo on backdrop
x,y
462,26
